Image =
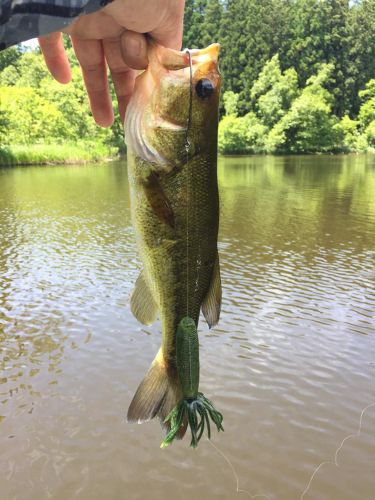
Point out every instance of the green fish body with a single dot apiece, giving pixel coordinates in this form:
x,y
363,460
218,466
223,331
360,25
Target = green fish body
x,y
171,133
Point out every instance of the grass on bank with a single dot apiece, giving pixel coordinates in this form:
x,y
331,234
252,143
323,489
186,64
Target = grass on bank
x,y
46,154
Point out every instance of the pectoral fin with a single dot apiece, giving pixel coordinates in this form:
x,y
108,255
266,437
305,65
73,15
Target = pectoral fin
x,y
142,303
158,200
212,302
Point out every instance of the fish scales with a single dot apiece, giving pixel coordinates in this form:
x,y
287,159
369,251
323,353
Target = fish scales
x,y
179,272
175,208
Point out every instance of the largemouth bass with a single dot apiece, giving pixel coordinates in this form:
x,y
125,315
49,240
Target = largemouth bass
x,y
171,135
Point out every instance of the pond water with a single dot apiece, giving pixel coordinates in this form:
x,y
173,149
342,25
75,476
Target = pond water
x,y
291,364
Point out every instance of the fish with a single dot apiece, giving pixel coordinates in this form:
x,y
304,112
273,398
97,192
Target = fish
x,y
171,128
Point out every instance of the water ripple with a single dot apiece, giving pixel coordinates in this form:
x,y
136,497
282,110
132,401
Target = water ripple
x,y
291,363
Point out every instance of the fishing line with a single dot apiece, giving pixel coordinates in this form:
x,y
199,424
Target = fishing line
x,y
187,142
335,460
187,148
238,490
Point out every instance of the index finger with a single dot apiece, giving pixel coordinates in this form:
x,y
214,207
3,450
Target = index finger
x,y
55,57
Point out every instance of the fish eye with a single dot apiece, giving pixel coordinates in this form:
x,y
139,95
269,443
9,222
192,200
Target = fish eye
x,y
204,88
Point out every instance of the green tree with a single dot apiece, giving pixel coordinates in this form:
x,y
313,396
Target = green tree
x,y
71,101
230,103
307,32
361,50
10,56
366,115
4,124
273,92
309,125
244,135
348,131
370,135
37,109
211,22
251,33
336,53
31,118
367,111
232,135
193,22
26,71
233,40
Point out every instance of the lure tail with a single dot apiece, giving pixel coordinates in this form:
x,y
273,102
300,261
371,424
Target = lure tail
x,y
193,409
158,393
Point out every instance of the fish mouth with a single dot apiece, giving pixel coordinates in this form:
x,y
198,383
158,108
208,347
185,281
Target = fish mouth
x,y
180,59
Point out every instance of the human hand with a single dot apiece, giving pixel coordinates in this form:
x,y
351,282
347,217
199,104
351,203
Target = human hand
x,y
115,36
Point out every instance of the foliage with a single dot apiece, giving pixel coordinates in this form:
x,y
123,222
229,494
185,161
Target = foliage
x,y
4,123
287,119
305,34
10,56
232,135
348,130
369,134
30,117
28,71
273,92
48,112
241,135
367,111
54,153
230,103
193,22
298,76
35,109
361,50
308,125
359,135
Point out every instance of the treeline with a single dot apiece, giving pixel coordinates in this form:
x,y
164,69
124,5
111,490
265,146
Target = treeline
x,y
285,118
304,34
35,110
298,76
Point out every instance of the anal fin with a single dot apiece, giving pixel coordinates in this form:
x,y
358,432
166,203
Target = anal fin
x,y
142,303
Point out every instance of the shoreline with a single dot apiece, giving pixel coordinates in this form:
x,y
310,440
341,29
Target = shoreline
x,y
81,154
55,154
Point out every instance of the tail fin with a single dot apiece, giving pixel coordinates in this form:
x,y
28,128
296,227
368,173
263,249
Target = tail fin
x,y
157,395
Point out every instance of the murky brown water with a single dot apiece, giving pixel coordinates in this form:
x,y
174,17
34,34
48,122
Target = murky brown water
x,y
291,365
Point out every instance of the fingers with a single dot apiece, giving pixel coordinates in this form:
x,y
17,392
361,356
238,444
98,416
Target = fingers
x,y
162,19
54,54
90,55
122,76
134,49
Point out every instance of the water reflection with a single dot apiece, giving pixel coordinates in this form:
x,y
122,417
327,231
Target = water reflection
x,y
56,253
291,363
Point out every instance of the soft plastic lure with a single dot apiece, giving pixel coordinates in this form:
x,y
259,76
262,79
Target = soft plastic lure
x,y
194,410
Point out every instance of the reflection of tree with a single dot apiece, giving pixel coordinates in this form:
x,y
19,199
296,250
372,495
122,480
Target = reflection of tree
x,y
296,202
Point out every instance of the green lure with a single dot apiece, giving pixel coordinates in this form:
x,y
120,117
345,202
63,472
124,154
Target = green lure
x,y
194,409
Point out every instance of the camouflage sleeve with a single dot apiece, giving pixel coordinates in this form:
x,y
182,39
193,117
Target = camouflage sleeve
x,y
21,20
